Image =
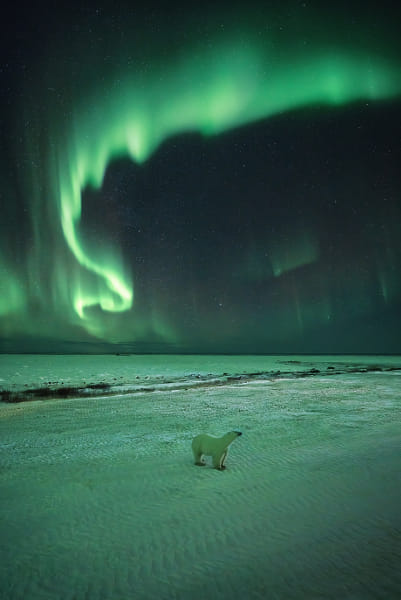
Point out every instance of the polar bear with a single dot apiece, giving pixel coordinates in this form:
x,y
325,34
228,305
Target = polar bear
x,y
217,448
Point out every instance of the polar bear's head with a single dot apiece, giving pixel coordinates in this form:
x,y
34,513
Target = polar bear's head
x,y
231,436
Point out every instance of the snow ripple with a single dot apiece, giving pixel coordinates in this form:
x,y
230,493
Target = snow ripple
x,y
100,499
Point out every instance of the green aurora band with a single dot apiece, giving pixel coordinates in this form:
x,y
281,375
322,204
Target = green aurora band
x,y
206,91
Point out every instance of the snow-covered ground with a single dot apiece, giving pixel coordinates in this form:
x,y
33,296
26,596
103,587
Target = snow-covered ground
x,y
100,499
30,375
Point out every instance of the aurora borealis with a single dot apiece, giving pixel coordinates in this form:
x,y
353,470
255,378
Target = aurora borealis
x,y
225,181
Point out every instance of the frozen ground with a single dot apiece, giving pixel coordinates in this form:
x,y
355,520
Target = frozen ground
x,y
26,377
99,498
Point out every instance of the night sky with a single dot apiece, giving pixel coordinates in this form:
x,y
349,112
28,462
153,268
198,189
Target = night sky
x,y
215,180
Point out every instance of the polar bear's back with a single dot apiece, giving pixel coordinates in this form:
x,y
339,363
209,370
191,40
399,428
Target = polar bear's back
x,y
205,443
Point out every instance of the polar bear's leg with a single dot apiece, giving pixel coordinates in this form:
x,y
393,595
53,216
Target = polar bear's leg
x,y
223,458
197,450
218,460
198,459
